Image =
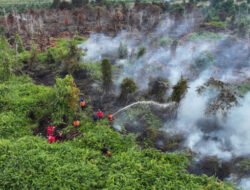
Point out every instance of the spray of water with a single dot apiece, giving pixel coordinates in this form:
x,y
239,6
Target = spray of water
x,y
151,103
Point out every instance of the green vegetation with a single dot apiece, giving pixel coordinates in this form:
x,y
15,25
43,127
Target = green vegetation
x,y
205,36
225,99
23,5
7,60
179,90
20,97
65,99
128,87
29,162
106,75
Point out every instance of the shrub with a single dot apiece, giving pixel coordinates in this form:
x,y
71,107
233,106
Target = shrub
x,y
65,98
128,87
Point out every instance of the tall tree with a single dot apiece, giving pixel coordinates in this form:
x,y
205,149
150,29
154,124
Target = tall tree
x,y
106,75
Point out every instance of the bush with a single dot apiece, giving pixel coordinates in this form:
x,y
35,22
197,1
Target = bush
x,y
128,87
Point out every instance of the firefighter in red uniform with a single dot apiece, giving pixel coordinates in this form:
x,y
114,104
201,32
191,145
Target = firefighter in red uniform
x,y
110,117
76,123
50,133
100,114
51,139
51,130
82,103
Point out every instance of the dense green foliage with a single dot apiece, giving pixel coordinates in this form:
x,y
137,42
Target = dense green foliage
x,y
66,96
19,97
30,162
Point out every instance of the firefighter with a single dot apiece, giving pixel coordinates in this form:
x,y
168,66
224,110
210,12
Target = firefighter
x,y
51,139
110,117
100,114
51,130
76,123
82,103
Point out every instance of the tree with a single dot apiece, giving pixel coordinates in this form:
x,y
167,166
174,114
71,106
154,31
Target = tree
x,y
158,88
72,60
225,99
74,51
179,90
128,87
123,51
106,75
65,99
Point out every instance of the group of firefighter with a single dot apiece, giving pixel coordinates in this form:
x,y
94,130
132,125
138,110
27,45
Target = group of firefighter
x,y
54,136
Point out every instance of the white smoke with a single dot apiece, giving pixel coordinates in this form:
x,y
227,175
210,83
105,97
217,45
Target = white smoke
x,y
237,127
245,184
225,138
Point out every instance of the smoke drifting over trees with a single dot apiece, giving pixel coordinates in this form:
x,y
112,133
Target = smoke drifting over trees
x,y
212,117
